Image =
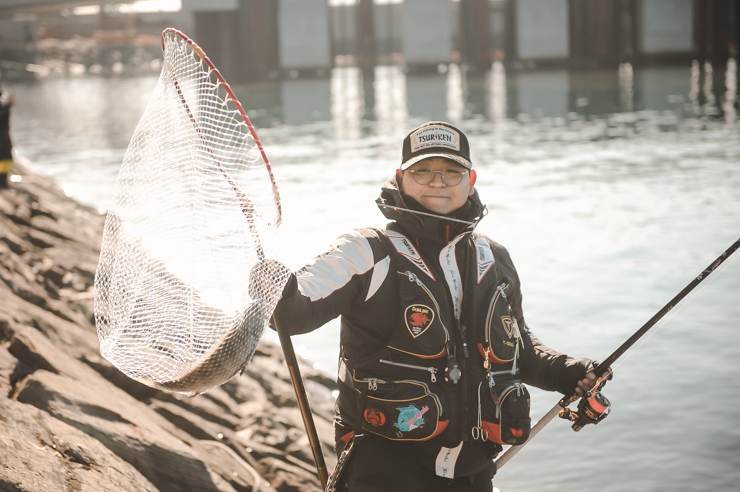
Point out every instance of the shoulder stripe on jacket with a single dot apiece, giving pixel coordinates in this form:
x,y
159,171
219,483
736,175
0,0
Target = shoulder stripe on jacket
x,y
350,255
380,272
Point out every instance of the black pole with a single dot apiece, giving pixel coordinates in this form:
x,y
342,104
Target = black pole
x,y
603,366
290,359
300,393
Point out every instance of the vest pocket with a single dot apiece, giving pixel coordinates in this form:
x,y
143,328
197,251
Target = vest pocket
x,y
506,413
501,330
422,333
403,410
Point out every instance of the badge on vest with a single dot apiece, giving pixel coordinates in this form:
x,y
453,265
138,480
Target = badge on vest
x,y
508,325
418,318
374,417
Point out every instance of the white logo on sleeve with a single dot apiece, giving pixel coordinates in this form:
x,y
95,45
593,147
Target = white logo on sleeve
x,y
484,257
407,250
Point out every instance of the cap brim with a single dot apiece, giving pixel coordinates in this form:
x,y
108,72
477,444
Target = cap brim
x,y
460,160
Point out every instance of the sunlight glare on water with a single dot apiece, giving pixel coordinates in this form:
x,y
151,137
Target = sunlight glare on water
x,y
611,189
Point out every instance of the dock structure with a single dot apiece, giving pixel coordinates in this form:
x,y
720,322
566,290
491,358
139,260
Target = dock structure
x,y
269,39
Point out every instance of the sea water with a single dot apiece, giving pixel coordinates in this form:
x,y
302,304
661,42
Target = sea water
x,y
612,190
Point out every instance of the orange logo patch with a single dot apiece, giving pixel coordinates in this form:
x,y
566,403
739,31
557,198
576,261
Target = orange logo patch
x,y
418,318
374,417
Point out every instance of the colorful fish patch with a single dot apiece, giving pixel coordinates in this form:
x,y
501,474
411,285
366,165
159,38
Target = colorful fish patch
x,y
410,418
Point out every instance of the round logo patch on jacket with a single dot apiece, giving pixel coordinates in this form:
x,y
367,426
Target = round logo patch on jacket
x,y
374,417
418,318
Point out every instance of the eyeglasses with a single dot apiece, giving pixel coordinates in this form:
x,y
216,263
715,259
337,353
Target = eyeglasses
x,y
450,177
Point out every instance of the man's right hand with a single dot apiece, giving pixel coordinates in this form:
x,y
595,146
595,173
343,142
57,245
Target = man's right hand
x,y
267,280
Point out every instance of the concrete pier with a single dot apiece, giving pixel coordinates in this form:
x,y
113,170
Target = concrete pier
x,y
267,39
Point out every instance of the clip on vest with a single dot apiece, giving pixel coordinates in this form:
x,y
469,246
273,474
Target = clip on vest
x,y
453,373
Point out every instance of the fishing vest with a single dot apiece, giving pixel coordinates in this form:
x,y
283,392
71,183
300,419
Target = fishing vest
x,y
449,369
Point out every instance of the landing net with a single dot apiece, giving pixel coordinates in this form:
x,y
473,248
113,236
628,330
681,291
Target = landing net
x,y
195,209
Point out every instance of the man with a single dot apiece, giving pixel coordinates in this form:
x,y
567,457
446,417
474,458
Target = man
x,y
434,346
6,157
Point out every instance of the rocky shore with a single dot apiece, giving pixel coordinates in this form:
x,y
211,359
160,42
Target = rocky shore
x,y
70,421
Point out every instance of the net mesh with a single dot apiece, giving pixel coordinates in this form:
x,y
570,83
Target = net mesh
x,y
194,211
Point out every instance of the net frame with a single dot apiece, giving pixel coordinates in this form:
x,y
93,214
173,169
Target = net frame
x,y
135,300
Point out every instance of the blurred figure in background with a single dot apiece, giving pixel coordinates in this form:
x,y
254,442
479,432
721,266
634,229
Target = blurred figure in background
x,y
6,156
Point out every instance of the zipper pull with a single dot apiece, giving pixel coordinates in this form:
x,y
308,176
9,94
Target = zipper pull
x,y
433,372
501,288
491,382
372,384
517,340
496,401
414,278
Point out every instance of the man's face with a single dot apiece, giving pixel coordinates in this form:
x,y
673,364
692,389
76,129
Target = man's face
x,y
436,195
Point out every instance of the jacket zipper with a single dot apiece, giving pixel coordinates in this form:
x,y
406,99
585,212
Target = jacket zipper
x,y
432,370
501,293
464,417
372,383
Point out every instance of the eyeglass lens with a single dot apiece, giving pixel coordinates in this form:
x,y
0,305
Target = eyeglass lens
x,y
450,177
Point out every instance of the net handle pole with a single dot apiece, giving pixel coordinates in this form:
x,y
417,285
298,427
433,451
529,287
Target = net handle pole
x,y
300,392
297,380
604,366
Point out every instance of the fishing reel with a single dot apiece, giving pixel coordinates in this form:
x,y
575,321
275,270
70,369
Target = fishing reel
x,y
592,409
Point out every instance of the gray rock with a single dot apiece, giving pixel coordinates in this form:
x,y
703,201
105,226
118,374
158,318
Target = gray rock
x,y
39,452
69,420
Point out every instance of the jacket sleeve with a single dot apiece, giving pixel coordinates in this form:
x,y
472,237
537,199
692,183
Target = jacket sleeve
x,y
332,282
540,365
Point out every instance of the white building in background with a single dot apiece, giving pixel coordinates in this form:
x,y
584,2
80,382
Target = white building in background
x,y
210,5
304,34
542,29
426,31
666,26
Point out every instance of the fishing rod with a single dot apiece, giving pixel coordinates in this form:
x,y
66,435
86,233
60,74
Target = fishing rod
x,y
594,406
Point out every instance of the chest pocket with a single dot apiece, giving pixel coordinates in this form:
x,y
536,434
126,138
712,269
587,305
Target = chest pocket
x,y
501,329
402,410
508,421
422,333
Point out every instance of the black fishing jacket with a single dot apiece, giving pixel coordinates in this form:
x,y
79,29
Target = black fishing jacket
x,y
434,346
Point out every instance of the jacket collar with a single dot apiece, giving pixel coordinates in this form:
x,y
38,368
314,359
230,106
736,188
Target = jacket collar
x,y
420,223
